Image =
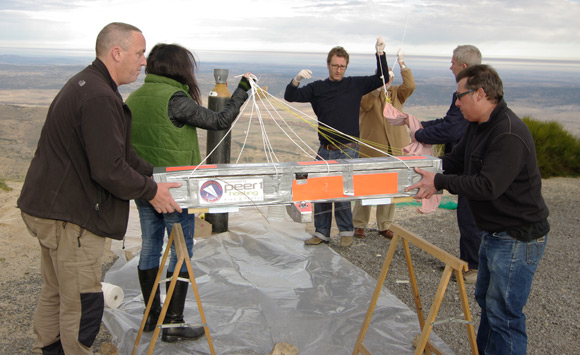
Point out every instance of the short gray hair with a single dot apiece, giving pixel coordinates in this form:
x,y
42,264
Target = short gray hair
x,y
467,54
114,34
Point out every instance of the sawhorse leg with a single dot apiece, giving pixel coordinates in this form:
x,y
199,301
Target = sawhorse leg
x,y
182,257
451,264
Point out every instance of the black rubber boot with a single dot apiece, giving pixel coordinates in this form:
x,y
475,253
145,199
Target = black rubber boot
x,y
53,349
174,313
147,280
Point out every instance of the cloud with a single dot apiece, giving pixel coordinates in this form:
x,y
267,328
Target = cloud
x,y
511,28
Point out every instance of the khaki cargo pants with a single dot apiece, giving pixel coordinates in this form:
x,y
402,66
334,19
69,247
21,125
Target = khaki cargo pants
x,y
71,302
362,214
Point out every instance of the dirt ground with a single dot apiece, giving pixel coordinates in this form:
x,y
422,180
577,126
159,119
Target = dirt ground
x,y
552,311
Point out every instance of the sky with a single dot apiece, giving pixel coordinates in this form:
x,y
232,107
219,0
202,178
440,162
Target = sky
x,y
534,29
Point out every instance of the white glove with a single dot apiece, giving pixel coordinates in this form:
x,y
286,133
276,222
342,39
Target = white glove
x,y
251,76
400,56
303,74
380,45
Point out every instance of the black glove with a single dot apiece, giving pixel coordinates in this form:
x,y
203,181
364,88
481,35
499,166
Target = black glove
x,y
244,84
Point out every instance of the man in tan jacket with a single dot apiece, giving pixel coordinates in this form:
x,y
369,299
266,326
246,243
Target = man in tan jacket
x,y
376,132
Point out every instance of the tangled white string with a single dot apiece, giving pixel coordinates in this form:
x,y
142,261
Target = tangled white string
x,y
262,108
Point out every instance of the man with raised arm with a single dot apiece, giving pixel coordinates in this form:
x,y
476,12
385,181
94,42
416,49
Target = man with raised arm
x,y
382,136
336,102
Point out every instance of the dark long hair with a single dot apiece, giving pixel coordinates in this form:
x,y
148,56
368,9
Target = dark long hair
x,y
175,62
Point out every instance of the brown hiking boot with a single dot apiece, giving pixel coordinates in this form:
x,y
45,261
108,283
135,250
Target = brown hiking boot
x,y
387,234
469,276
346,241
315,241
359,232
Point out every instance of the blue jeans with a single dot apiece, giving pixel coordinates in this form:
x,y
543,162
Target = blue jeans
x,y
153,226
342,211
504,280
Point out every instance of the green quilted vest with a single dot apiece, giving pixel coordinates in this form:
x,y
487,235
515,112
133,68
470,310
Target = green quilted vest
x,y
154,137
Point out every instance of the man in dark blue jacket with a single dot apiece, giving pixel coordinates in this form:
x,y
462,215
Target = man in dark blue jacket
x,y
336,103
449,130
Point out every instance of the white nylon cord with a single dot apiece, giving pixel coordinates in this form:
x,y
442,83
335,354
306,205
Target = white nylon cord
x,y
328,126
220,142
269,150
304,144
246,136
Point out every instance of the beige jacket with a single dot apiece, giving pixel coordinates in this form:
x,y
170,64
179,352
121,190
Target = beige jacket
x,y
374,127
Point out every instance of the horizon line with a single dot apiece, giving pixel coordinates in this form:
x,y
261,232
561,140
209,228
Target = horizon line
x,y
84,53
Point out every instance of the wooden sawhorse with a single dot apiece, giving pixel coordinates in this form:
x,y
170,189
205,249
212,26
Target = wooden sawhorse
x,y
451,264
182,257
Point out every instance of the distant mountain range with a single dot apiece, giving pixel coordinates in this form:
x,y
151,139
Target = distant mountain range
x,y
543,89
42,60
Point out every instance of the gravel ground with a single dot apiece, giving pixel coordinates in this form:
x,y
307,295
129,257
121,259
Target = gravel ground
x,y
553,308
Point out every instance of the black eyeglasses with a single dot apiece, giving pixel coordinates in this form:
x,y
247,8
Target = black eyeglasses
x,y
459,96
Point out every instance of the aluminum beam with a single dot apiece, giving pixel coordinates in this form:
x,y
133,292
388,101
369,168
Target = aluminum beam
x,y
227,187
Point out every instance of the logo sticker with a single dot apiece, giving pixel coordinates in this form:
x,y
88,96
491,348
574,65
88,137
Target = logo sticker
x,y
211,191
231,192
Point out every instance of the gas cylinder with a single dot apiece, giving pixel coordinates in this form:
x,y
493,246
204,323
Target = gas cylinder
x,y
217,100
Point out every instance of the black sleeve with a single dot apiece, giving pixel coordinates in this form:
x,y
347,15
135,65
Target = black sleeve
x,y
183,110
446,130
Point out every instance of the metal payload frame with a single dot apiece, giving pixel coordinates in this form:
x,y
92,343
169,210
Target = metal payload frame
x,y
223,188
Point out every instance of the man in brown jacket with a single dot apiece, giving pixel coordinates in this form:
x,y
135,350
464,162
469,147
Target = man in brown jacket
x,y
77,190
376,132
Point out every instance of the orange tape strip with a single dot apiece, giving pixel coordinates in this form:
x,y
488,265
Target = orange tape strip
x,y
180,168
375,184
411,157
318,188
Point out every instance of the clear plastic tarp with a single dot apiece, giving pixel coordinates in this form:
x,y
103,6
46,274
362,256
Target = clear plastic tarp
x,y
260,285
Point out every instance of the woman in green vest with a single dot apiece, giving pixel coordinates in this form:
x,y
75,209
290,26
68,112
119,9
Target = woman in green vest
x,y
166,111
